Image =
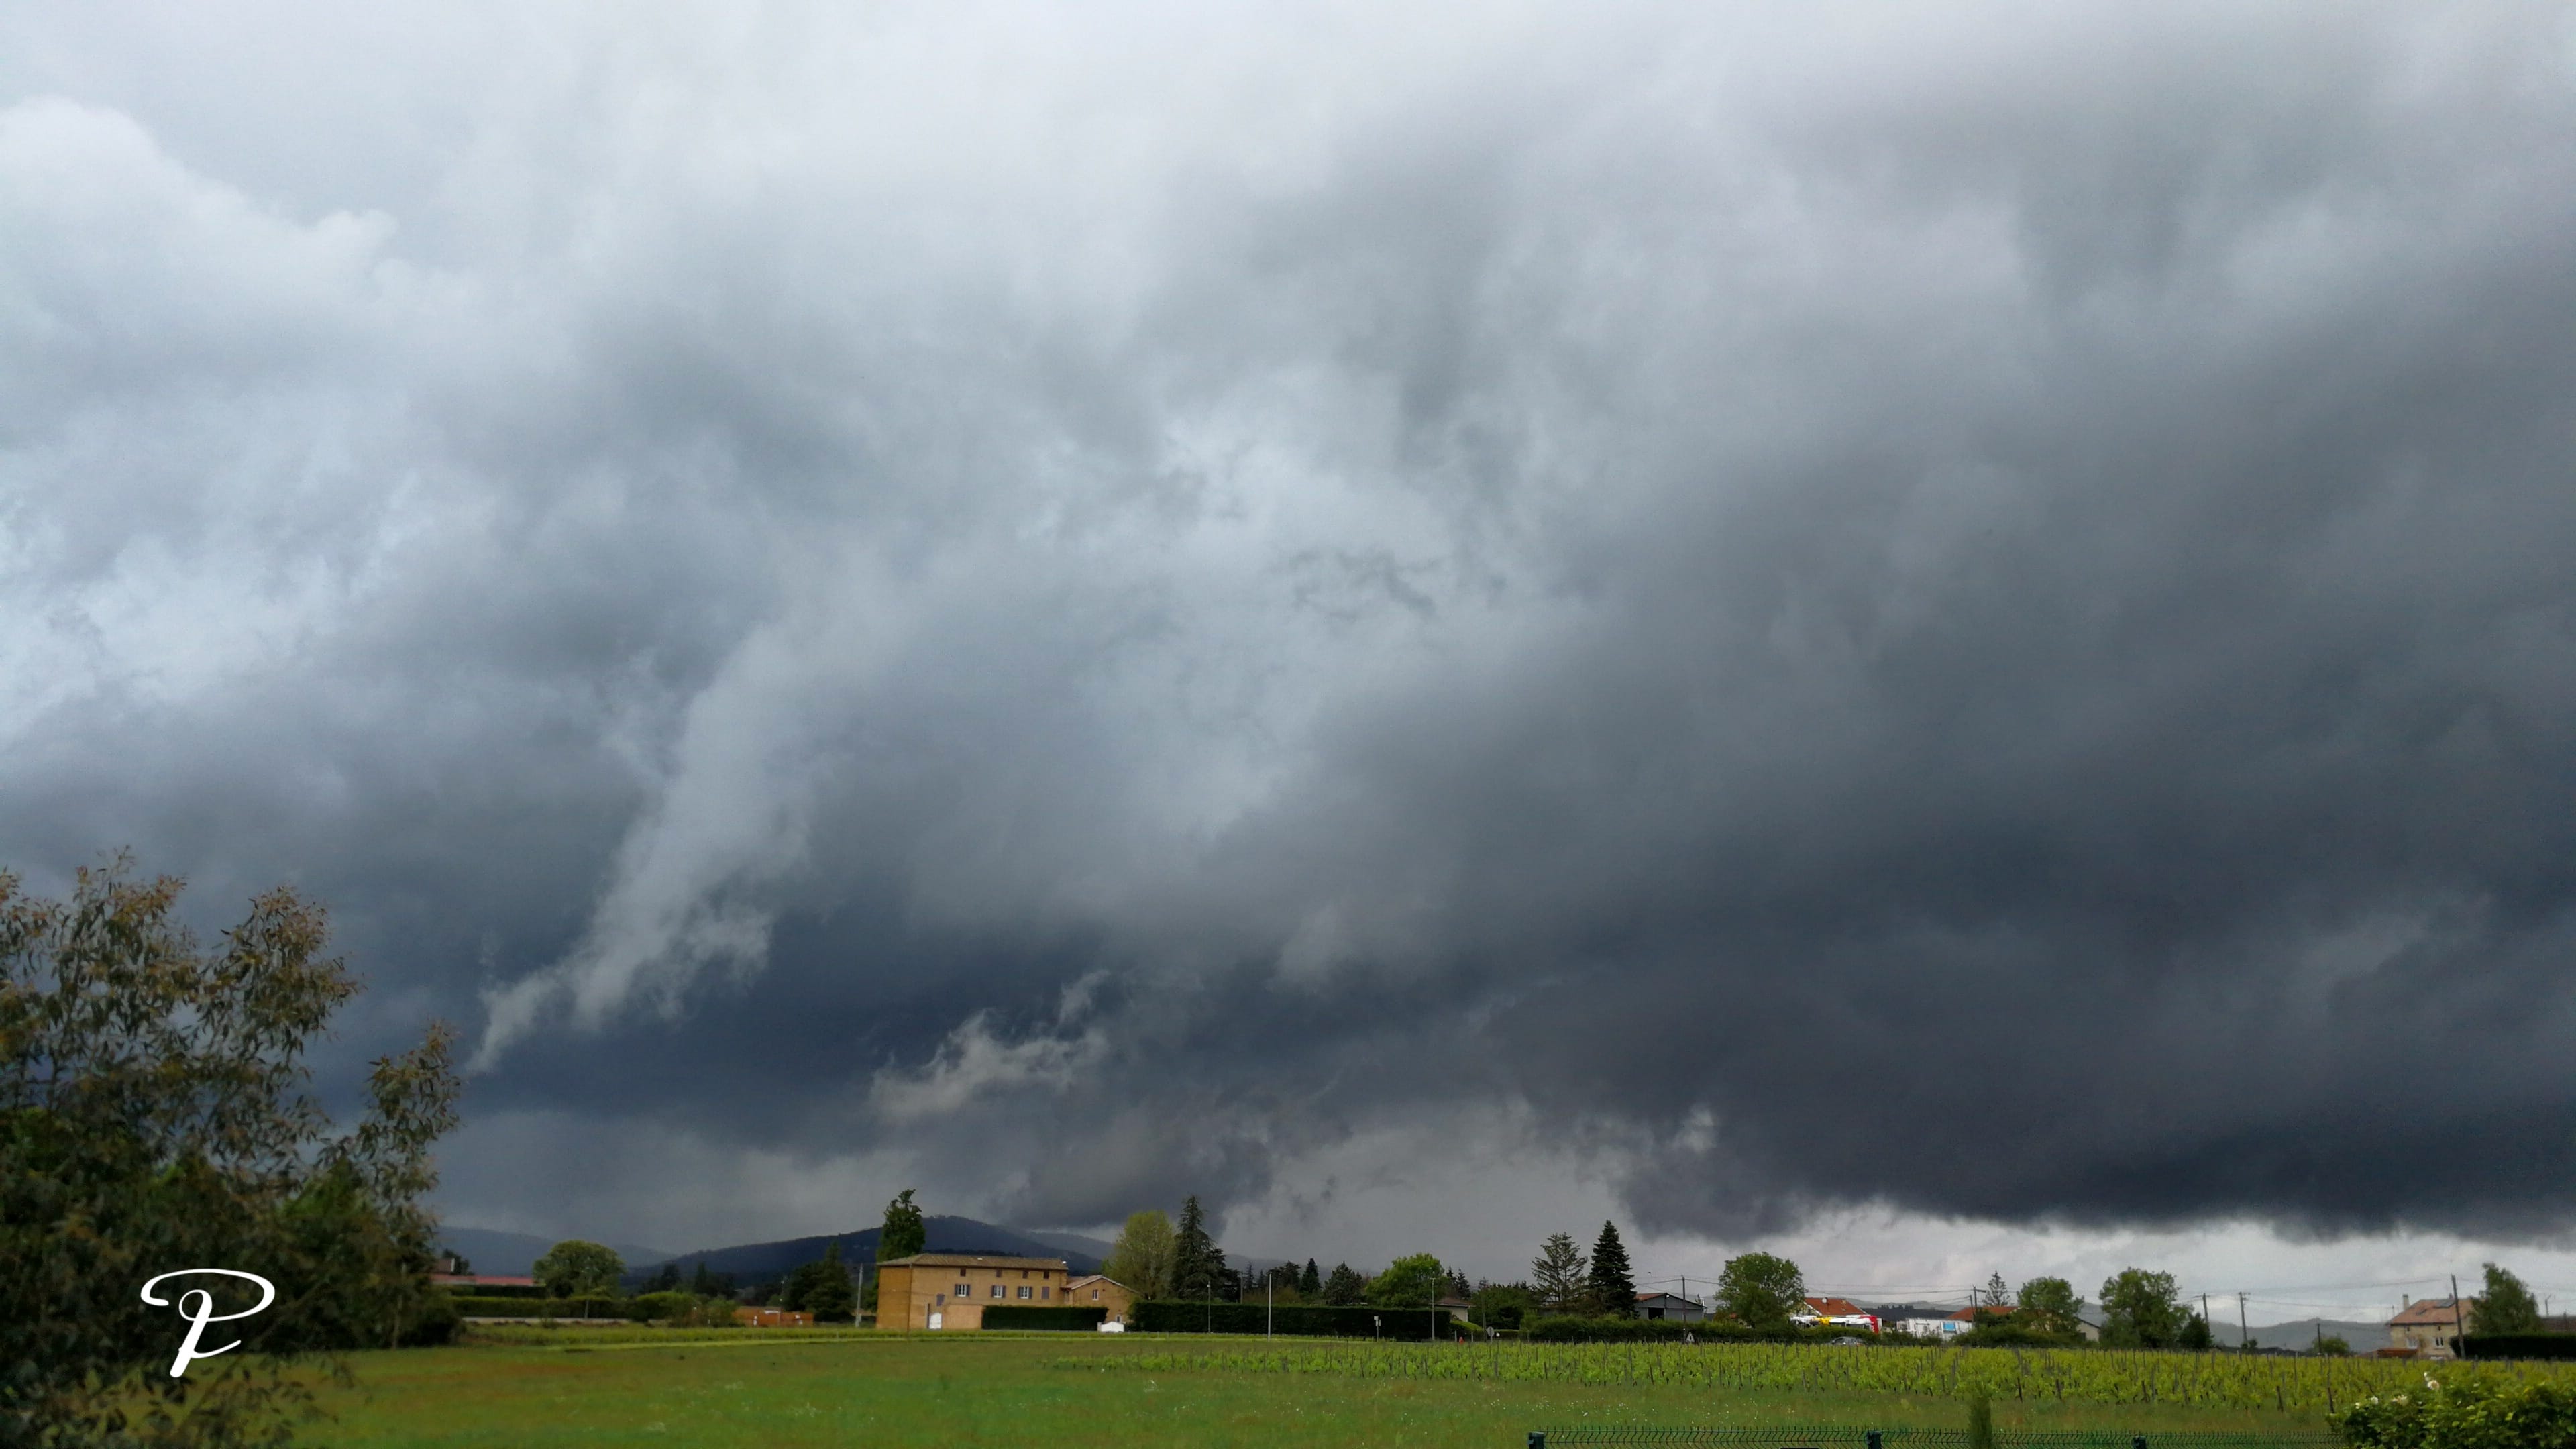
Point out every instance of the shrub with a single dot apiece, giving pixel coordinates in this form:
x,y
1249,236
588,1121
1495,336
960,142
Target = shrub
x,y
1072,1320
1563,1329
1305,1319
664,1307
475,1305
2465,1413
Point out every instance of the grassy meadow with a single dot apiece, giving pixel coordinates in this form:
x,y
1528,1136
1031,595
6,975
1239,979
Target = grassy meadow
x,y
544,1388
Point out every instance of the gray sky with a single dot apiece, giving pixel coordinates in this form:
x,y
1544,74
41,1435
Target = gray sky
x,y
1938,635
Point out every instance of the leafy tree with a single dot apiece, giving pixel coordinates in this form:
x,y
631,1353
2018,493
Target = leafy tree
x,y
574,1268
2334,1346
1504,1305
1144,1255
904,1233
1310,1283
1761,1290
1557,1274
2141,1309
1198,1264
2048,1305
1412,1282
829,1295
1346,1287
2504,1305
154,1115
1611,1286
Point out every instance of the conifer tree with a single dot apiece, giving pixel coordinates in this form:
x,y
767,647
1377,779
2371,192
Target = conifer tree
x,y
1556,1275
1310,1283
1611,1286
1198,1266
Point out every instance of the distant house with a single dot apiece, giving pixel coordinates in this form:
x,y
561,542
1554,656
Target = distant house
x,y
2430,1326
1672,1306
1840,1312
1458,1309
772,1318
1098,1290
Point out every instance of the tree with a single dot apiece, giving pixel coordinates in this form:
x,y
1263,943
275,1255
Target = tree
x,y
1198,1264
154,1115
1611,1286
1142,1259
2505,1305
1412,1282
1761,1290
1345,1288
1557,1273
1310,1283
829,1295
2140,1309
1503,1305
1997,1299
2195,1336
2333,1346
665,1279
904,1233
2048,1305
707,1283
574,1268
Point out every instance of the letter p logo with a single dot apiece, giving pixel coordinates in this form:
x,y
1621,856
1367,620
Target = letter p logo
x,y
204,1312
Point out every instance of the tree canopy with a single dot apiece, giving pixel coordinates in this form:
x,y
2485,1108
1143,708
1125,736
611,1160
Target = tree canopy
x,y
1142,1259
1409,1282
154,1114
2141,1309
1345,1287
575,1268
2048,1305
2505,1305
1761,1290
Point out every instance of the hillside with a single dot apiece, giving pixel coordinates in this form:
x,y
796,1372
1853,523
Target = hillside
x,y
758,1262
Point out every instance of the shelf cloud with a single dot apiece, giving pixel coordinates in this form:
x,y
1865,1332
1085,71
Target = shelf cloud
x,y
1965,611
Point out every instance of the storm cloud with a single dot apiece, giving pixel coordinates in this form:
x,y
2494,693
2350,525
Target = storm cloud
x,y
1961,610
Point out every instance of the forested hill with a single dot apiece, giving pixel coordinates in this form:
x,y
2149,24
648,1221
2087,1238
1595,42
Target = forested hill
x,y
756,1262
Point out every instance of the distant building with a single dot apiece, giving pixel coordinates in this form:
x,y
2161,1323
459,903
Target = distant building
x,y
2431,1326
1097,1290
952,1290
1672,1306
1840,1312
772,1318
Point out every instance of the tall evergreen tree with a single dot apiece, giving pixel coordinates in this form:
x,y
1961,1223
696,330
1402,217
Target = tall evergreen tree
x,y
829,1294
1345,1287
1611,1286
1198,1264
1310,1282
1556,1275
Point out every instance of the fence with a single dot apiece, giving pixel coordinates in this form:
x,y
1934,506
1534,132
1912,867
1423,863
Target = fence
x,y
1818,1437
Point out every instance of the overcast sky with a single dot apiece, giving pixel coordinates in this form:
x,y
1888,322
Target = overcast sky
x,y
1942,636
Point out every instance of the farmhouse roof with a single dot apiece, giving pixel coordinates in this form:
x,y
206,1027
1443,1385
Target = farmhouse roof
x,y
2432,1311
972,1260
1095,1278
1836,1308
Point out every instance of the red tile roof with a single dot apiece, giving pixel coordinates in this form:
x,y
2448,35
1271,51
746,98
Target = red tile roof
x,y
2432,1312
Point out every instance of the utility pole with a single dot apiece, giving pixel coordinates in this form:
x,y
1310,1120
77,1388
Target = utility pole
x,y
1269,1297
2244,1336
2204,1314
2456,1350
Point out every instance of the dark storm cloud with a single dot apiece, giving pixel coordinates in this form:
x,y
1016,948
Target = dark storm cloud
x,y
1968,615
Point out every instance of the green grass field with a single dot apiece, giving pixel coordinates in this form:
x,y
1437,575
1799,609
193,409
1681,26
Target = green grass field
x,y
565,1387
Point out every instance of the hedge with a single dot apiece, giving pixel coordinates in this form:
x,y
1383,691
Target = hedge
x,y
479,1305
1565,1329
2518,1345
1071,1320
499,1290
1303,1319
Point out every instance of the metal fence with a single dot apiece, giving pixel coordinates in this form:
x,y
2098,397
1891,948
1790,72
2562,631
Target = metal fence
x,y
1815,1437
